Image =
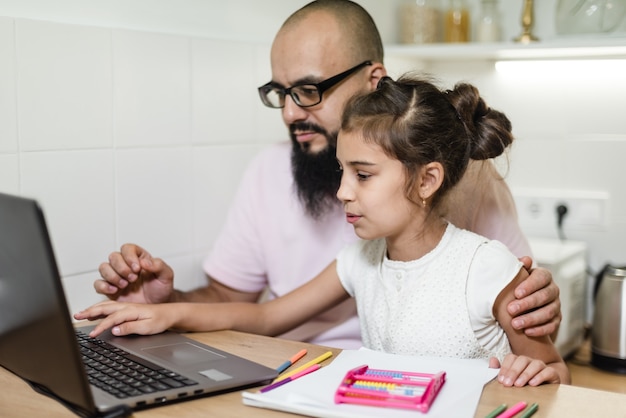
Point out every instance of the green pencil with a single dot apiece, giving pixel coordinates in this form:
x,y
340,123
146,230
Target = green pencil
x,y
497,411
529,411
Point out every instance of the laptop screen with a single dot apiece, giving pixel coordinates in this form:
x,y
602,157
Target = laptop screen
x,y
36,333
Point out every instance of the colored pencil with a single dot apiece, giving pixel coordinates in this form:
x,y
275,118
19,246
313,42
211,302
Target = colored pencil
x,y
291,361
291,378
317,360
512,411
528,412
496,412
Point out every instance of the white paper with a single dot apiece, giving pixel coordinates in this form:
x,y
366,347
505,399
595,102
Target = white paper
x,y
314,393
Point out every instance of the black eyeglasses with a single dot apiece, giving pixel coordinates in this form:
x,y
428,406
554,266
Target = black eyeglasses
x,y
304,95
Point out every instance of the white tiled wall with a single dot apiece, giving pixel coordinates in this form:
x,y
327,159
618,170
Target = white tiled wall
x,y
128,136
136,126
152,82
8,105
78,199
152,184
225,91
64,86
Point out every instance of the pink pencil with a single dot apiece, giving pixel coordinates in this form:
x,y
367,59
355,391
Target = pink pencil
x,y
513,410
291,378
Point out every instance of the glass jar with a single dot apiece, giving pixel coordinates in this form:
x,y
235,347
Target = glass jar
x,y
457,21
588,16
419,22
488,23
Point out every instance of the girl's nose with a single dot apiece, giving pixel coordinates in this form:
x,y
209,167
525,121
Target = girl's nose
x,y
344,194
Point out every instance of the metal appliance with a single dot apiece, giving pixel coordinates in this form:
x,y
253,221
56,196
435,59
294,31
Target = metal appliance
x,y
608,329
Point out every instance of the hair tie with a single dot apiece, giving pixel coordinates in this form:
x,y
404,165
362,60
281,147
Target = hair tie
x,y
382,81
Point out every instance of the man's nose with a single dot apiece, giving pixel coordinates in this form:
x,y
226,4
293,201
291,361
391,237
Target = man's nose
x,y
292,112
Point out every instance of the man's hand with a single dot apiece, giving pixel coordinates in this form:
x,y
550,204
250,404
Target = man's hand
x,y
537,308
133,275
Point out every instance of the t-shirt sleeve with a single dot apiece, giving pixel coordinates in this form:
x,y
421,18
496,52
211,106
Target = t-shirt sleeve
x,y
492,269
236,259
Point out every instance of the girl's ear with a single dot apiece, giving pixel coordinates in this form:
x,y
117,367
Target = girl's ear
x,y
431,178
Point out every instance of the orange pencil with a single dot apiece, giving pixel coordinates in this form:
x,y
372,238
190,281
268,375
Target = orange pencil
x,y
291,361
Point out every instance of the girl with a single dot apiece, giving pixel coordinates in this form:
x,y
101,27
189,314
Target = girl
x,y
422,286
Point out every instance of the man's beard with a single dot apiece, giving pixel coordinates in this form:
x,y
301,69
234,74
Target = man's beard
x,y
317,176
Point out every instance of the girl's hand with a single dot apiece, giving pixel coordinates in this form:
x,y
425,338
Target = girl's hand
x,y
128,318
522,370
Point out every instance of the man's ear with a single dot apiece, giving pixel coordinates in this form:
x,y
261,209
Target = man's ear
x,y
377,71
431,178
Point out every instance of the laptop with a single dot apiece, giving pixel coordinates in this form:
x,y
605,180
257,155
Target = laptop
x,y
39,343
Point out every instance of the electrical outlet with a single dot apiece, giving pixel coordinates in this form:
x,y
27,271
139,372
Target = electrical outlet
x,y
537,209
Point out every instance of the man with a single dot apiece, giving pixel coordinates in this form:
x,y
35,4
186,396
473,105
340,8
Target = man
x,y
286,224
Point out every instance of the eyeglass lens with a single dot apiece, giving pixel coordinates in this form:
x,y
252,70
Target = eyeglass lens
x,y
304,95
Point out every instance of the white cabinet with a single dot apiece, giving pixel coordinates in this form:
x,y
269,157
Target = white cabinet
x,y
567,262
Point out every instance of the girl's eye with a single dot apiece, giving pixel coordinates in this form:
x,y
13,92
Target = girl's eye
x,y
362,176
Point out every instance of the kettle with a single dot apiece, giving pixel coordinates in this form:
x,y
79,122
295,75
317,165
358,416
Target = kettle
x,y
608,330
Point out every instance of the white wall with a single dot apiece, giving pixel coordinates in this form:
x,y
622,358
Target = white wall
x,y
129,134
132,121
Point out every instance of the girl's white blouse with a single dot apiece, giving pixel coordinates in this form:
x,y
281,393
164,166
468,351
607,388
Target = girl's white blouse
x,y
439,305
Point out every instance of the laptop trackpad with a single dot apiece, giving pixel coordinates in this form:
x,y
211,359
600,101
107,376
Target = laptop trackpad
x,y
183,354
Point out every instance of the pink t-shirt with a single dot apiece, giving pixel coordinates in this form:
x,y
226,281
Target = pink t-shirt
x,y
268,240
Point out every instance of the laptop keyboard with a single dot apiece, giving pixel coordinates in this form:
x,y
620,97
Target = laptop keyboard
x,y
122,374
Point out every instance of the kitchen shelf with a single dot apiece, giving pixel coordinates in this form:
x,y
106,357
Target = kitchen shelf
x,y
566,48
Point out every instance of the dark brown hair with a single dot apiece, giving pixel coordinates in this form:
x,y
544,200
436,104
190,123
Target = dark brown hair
x,y
416,123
